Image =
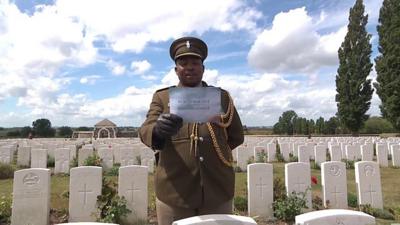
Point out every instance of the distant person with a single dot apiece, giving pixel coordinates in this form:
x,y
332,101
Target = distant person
x,y
194,173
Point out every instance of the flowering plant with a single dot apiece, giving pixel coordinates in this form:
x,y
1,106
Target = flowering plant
x,y
314,180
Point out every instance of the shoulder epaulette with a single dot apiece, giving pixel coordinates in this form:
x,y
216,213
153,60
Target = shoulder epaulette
x,y
162,89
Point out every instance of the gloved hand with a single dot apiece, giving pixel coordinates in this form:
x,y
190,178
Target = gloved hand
x,y
167,125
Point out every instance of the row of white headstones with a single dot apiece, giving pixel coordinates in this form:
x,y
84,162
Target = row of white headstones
x,y
317,151
31,189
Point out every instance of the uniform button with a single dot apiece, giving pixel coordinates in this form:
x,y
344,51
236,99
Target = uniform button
x,y
200,138
201,158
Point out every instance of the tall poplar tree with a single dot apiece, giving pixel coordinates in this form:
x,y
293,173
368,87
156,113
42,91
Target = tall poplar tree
x,y
354,91
388,62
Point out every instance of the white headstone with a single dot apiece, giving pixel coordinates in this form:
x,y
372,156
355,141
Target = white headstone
x,y
396,155
335,152
132,184
320,154
351,153
39,158
368,182
216,219
335,217
285,151
85,186
271,152
83,154
303,154
107,156
242,157
367,152
61,158
31,197
24,156
259,153
260,189
298,179
6,154
382,155
334,184
127,157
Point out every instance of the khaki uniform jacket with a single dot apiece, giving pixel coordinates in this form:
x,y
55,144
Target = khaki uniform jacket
x,y
187,179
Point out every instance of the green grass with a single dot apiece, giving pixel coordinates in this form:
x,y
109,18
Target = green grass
x,y
389,179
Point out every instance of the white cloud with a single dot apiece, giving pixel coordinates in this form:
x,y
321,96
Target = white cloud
x,y
116,68
293,45
140,67
89,79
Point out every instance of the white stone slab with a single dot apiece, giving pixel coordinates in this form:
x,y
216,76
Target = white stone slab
x,y
62,160
382,155
6,154
84,187
216,219
335,217
132,184
39,158
368,183
24,156
303,154
335,152
31,197
271,152
320,154
298,179
260,190
107,157
334,184
396,155
83,154
367,152
285,151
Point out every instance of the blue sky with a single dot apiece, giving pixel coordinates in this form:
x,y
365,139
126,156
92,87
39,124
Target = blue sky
x,y
77,62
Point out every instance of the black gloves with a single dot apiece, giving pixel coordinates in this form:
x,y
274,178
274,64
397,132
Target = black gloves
x,y
166,126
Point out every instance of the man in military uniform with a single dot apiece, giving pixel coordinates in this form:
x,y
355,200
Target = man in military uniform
x,y
194,174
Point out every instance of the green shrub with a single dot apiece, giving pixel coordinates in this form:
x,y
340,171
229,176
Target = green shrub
x,y
6,171
74,162
279,189
261,157
317,203
293,158
250,160
349,163
5,210
50,161
237,169
240,203
379,213
114,171
93,160
111,206
352,200
288,208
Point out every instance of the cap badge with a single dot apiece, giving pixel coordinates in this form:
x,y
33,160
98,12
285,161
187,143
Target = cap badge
x,y
187,44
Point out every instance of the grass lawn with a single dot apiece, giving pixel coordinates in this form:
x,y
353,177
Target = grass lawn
x,y
390,187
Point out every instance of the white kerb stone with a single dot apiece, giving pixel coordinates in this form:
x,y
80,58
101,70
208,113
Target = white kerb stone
x,y
260,189
335,217
368,183
334,184
216,219
132,184
85,186
31,197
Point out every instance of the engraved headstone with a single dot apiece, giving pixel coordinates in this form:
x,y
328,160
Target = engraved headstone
x,y
132,184
334,184
298,179
260,189
39,158
85,186
368,182
62,159
335,217
382,155
31,197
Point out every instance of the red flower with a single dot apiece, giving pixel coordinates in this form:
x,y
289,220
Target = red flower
x,y
314,180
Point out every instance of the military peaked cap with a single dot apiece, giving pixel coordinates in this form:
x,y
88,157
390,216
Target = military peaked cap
x,y
188,46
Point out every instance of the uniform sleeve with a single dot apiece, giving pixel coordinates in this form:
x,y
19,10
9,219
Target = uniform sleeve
x,y
235,130
146,130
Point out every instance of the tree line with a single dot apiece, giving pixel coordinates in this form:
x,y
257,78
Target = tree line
x,y
353,86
